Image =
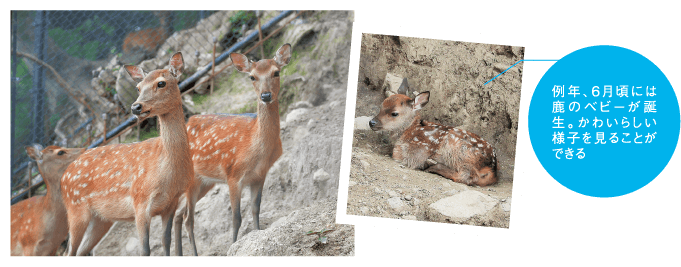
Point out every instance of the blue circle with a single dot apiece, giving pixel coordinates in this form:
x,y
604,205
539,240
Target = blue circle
x,y
593,80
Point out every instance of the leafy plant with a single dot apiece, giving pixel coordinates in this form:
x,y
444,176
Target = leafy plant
x,y
321,237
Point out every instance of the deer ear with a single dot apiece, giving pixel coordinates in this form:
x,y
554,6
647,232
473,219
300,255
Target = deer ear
x,y
35,152
176,65
240,62
136,73
283,55
421,100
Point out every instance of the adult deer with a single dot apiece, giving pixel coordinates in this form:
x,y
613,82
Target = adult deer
x,y
39,224
239,150
451,152
134,182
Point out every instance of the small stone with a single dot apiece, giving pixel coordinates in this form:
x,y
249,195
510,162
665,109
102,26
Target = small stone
x,y
362,123
295,115
364,163
409,217
352,183
408,198
393,194
310,123
131,245
321,176
364,210
377,190
396,203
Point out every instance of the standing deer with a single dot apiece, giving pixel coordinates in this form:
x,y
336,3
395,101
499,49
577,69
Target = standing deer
x,y
134,182
453,153
39,224
143,43
239,150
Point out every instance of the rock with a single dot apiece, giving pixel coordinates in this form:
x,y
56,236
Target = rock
x,y
131,245
392,193
362,123
203,87
295,115
506,205
393,84
396,203
365,164
463,206
410,217
352,183
321,176
408,198
288,236
300,104
364,210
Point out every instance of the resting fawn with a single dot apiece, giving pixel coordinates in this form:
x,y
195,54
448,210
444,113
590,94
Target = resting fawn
x,y
135,182
453,153
239,150
39,224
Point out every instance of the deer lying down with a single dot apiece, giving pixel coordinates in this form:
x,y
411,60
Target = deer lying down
x,y
39,224
453,153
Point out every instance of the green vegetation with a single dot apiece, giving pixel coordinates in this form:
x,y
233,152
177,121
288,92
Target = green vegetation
x,y
22,121
145,133
199,99
75,43
248,108
240,18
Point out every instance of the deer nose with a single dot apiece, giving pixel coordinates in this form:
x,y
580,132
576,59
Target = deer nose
x,y
266,97
372,122
136,108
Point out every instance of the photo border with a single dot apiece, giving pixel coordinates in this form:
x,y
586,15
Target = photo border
x,y
518,173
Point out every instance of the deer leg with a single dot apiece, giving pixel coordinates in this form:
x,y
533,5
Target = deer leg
x,y
189,220
256,196
77,228
235,199
142,222
95,232
447,172
178,228
167,220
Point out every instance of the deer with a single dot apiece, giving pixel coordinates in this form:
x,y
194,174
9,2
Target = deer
x,y
146,41
453,153
239,150
38,224
135,182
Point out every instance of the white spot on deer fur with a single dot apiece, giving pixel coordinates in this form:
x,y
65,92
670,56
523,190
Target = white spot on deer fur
x,y
480,145
83,185
76,192
416,139
233,150
473,140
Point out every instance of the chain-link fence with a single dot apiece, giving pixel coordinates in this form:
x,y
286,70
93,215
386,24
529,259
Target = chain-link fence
x,y
67,85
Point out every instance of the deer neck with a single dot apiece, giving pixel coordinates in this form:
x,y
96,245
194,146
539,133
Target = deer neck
x,y
53,196
267,125
415,122
174,141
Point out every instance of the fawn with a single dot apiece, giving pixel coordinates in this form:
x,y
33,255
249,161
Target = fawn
x,y
39,223
145,42
126,182
453,153
239,150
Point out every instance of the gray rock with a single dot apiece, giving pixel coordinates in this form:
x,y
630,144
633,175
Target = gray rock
x,y
362,123
396,203
464,205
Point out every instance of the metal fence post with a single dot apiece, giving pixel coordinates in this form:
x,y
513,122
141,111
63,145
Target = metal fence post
x,y
13,89
37,92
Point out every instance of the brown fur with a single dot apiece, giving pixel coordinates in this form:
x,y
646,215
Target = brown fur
x,y
134,182
239,150
458,154
147,40
39,224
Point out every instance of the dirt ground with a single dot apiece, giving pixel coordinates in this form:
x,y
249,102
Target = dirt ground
x,y
454,73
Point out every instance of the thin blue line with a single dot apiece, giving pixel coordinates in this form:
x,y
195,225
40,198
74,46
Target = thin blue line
x,y
517,64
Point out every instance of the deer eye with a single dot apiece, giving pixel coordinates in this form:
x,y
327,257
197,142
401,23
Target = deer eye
x,y
276,74
61,153
138,89
161,84
252,78
395,114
